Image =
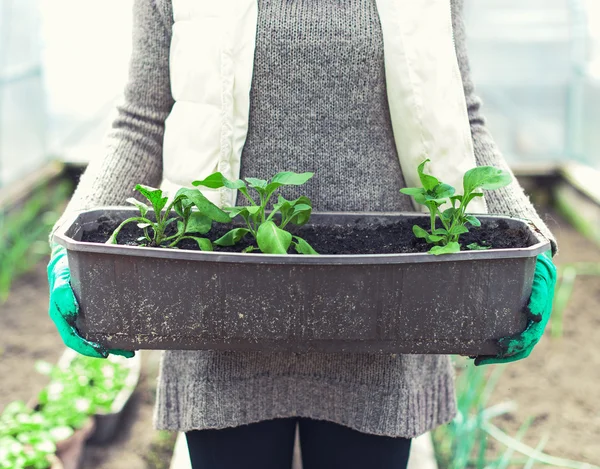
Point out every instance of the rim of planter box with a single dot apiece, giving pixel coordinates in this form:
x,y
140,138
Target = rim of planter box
x,y
71,244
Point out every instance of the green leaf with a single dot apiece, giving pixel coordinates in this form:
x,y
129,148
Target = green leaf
x,y
203,243
302,247
456,198
142,207
273,240
232,237
180,227
205,206
485,177
198,223
288,178
422,234
429,182
474,221
235,211
259,184
301,214
45,446
432,205
248,249
296,211
155,196
413,191
284,206
450,248
448,214
458,230
443,191
253,209
478,247
421,198
217,180
61,433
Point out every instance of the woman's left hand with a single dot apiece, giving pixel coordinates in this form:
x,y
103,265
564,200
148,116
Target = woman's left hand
x,y
539,310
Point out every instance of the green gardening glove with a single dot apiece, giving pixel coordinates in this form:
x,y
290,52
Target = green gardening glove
x,y
540,307
63,308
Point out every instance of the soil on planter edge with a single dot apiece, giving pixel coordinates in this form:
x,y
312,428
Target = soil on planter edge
x,y
358,238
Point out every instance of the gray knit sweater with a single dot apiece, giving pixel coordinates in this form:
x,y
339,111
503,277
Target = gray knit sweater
x,y
318,103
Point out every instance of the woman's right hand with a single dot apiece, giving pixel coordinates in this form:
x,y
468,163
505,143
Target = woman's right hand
x,y
64,308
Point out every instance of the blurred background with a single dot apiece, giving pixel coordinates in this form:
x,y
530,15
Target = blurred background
x,y
536,64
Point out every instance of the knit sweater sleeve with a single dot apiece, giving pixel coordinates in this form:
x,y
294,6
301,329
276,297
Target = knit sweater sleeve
x,y
511,200
133,152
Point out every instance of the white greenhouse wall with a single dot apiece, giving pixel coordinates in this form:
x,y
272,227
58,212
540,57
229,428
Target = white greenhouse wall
x,y
22,102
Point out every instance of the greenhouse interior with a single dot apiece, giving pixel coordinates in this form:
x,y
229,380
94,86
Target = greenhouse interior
x,y
535,65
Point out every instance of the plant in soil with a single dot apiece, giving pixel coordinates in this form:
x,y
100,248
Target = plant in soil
x,y
29,436
267,229
89,384
194,215
455,220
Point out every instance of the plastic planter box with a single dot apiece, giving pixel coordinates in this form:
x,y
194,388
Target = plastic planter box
x,y
147,298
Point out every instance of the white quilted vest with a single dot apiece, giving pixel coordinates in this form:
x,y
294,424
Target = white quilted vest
x,y
211,62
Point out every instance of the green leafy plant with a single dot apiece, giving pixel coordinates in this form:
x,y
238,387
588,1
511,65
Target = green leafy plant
x,y
189,222
270,237
24,229
28,438
472,441
455,220
83,388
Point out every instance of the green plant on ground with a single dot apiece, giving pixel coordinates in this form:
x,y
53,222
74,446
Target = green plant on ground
x,y
24,232
29,436
87,384
270,237
455,220
188,222
464,442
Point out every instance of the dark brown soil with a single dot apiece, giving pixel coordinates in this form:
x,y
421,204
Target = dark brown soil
x,y
357,238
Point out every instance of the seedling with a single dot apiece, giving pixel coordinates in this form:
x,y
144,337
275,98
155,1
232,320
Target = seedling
x,y
29,436
454,220
189,222
270,237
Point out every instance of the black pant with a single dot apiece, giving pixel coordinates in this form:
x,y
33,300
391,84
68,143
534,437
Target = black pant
x,y
270,444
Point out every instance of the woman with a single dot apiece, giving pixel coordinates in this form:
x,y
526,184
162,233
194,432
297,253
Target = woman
x,y
314,97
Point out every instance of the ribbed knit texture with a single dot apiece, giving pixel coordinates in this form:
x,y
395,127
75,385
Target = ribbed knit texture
x,y
319,76
318,102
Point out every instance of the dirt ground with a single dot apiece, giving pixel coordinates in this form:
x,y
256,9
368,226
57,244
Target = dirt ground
x,y
559,384
27,335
